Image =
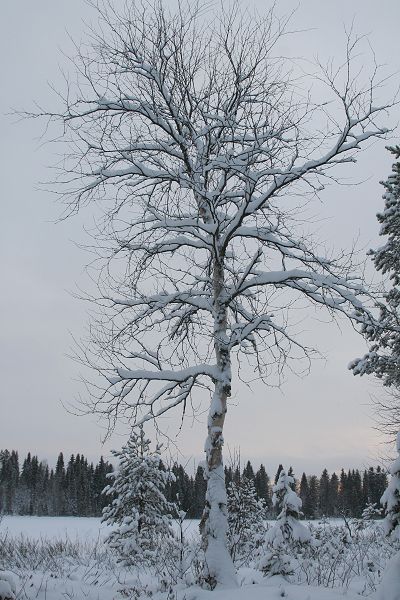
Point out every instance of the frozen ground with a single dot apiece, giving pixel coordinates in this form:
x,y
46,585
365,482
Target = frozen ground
x,y
64,558
271,589
84,529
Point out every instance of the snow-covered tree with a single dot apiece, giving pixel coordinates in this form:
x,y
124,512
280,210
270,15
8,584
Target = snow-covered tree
x,y
287,532
246,515
391,498
371,512
384,357
288,506
196,141
139,511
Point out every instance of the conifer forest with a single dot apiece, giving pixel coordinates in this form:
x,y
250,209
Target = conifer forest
x,y
74,487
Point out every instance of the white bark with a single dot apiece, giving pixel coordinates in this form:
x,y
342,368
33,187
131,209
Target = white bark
x,y
214,523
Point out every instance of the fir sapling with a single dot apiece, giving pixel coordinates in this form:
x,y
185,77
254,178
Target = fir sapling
x,y
246,516
285,538
139,511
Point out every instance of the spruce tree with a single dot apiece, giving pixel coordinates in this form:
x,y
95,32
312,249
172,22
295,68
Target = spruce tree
x,y
179,490
333,495
283,539
9,479
324,493
280,468
384,357
262,486
228,476
381,481
288,506
33,485
139,512
370,512
248,471
59,486
343,492
293,485
246,514
100,480
305,496
313,490
199,492
356,494
366,492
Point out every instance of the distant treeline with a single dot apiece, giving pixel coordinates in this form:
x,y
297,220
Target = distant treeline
x,y
75,487
327,495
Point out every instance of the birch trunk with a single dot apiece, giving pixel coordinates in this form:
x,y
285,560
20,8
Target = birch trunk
x,y
214,524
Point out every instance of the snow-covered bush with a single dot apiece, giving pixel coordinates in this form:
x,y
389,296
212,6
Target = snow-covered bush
x,y
285,538
389,588
345,555
180,558
8,588
371,512
391,498
139,512
246,515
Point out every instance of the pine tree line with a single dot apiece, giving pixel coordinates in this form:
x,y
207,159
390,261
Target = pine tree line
x,y
72,489
76,488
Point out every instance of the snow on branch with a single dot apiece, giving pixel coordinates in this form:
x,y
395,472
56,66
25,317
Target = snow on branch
x,y
196,147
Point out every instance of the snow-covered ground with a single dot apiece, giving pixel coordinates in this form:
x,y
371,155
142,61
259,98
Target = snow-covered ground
x,y
84,529
271,589
64,558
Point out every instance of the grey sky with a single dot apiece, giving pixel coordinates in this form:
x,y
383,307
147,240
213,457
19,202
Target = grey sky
x,y
322,420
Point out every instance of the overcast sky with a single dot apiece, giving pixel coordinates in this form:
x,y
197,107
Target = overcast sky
x,y
322,420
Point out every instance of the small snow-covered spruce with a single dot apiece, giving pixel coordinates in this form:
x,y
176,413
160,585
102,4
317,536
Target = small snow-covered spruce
x,y
371,512
246,515
287,533
288,506
391,498
139,511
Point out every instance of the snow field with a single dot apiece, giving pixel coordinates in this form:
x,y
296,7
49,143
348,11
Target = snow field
x,y
88,529
59,558
36,528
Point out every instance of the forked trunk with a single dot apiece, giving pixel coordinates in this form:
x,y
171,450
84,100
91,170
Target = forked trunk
x,y
214,523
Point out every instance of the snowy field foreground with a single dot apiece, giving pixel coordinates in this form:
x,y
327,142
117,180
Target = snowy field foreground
x,y
83,529
36,528
272,589
65,558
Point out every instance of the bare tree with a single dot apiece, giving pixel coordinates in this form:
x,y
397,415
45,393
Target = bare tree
x,y
196,139
387,412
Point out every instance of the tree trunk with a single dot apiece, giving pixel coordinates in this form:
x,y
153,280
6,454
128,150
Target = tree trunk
x,y
219,568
